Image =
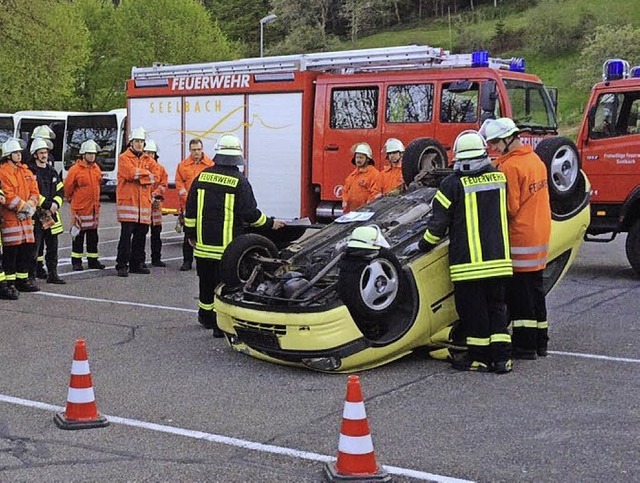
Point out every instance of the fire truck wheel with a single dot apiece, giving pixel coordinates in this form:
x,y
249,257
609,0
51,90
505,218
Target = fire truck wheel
x,y
371,288
239,258
632,247
560,155
422,156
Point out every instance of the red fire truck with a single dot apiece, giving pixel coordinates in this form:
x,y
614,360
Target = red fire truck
x,y
299,115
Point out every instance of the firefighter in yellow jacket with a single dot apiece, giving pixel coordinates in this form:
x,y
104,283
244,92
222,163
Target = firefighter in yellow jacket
x,y
529,232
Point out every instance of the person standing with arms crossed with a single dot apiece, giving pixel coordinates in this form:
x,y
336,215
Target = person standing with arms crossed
x,y
361,185
529,232
188,170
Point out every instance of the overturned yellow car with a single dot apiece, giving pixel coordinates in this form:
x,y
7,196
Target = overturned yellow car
x,y
319,305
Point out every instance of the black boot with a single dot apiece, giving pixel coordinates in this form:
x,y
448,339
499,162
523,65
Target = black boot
x,y
95,264
41,272
27,285
76,264
54,278
8,292
157,263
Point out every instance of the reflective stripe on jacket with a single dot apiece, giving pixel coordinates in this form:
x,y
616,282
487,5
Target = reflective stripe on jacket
x,y
473,208
20,187
219,203
51,191
529,208
82,189
133,192
186,172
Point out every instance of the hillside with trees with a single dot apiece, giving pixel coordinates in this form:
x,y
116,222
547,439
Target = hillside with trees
x,y
78,55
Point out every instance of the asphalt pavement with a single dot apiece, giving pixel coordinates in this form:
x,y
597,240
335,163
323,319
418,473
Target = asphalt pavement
x,y
185,407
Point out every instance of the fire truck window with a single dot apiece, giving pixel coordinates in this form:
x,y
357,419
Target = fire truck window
x,y
458,105
410,103
605,124
633,118
354,108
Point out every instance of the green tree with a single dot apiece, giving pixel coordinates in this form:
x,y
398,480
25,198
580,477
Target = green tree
x,y
44,48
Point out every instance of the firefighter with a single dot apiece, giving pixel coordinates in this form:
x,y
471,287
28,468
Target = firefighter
x,y
41,132
188,170
391,175
82,190
361,185
159,188
471,205
529,232
219,202
133,194
7,292
47,222
21,192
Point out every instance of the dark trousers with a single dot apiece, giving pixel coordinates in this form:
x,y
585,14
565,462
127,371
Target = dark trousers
x,y
44,237
208,278
483,314
131,245
17,260
156,243
187,251
77,245
528,311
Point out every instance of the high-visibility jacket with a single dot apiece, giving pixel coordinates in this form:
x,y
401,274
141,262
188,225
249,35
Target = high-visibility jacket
x,y
360,187
390,178
529,208
159,188
186,172
220,201
51,191
82,189
473,208
20,187
135,182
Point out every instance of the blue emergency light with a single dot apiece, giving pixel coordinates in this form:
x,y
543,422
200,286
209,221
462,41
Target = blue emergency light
x,y
635,71
480,58
517,64
615,69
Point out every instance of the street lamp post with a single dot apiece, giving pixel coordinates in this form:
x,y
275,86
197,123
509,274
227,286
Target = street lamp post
x,y
268,19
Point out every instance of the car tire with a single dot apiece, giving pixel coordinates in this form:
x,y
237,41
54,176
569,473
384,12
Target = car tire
x,y
560,155
422,155
632,246
371,288
238,258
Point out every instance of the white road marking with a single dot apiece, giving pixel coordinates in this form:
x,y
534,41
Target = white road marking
x,y
65,262
595,356
229,441
117,302
116,240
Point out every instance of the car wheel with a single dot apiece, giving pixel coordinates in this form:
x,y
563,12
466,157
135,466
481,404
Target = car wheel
x,y
239,258
632,246
421,157
371,288
560,155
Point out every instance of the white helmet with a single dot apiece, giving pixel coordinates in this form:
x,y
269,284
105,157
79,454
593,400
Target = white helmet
x,y
43,131
393,145
498,128
11,145
470,152
368,237
89,147
150,145
138,133
37,144
362,148
228,150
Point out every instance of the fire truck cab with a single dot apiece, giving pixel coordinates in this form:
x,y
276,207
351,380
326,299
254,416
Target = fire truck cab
x,y
299,116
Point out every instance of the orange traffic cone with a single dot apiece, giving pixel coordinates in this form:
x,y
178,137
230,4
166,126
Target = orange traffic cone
x,y
81,411
356,460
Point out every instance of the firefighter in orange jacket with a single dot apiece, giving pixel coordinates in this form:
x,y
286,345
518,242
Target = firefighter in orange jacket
x,y
159,188
7,292
361,185
21,199
391,175
529,232
82,189
133,195
188,170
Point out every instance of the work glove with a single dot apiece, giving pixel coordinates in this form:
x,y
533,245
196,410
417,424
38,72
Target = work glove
x,y
411,249
155,204
54,208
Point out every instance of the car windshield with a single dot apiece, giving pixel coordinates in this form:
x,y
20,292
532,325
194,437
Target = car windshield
x,y
102,129
531,105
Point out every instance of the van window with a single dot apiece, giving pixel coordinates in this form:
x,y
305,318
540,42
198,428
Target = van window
x,y
530,104
459,102
409,103
354,108
616,115
103,129
6,128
